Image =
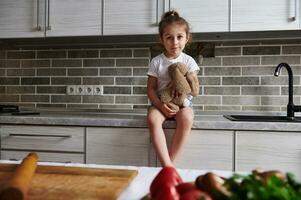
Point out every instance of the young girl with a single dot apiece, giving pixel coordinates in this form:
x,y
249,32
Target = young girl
x,y
174,34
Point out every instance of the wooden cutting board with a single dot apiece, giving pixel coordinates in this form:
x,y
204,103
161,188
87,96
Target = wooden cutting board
x,y
74,183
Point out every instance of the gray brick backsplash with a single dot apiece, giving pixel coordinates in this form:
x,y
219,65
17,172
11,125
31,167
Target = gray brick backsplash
x,y
260,90
51,72
116,90
98,81
134,62
115,71
262,50
65,99
142,53
227,51
291,49
67,63
65,81
35,63
220,71
35,98
83,72
115,53
210,80
274,60
98,99
21,55
9,81
131,80
241,100
51,89
239,78
10,63
99,63
52,54
83,54
35,81
221,90
241,61
20,89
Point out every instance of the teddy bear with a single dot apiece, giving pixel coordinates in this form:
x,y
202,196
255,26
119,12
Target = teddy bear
x,y
182,84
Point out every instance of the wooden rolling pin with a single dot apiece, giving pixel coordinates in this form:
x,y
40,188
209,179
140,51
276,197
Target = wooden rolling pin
x,y
17,187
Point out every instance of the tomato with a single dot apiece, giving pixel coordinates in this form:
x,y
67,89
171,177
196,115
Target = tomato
x,y
185,187
195,195
168,192
168,176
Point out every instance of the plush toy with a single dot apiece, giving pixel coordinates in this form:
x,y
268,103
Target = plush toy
x,y
181,84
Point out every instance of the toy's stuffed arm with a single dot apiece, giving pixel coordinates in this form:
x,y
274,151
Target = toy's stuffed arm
x,y
193,81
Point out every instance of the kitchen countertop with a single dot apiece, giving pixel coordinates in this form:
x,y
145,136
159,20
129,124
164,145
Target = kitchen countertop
x,y
138,119
139,187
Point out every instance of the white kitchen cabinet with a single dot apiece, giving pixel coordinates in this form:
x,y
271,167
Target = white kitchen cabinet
x,y
206,149
128,17
74,18
57,142
204,16
118,146
263,15
269,150
22,18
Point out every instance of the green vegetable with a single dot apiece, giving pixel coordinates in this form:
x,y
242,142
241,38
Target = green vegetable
x,y
252,187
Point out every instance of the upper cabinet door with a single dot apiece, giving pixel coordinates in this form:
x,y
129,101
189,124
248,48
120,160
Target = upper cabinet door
x,y
204,16
128,17
22,18
262,15
74,18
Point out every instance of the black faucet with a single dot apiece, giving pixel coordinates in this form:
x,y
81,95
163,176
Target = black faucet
x,y
291,108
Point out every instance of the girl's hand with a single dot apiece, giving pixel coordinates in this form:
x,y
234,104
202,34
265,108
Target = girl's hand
x,y
167,111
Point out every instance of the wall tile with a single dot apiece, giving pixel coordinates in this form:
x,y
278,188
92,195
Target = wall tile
x,y
275,60
241,61
52,54
207,100
35,81
99,62
10,63
135,62
131,80
65,99
67,63
141,53
51,89
131,99
221,90
35,98
7,98
220,71
260,90
115,71
65,81
35,63
9,81
83,54
227,51
240,81
212,61
116,90
140,90
140,71
261,50
241,100
83,72
20,89
51,72
98,81
210,80
98,99
113,53
291,49
21,55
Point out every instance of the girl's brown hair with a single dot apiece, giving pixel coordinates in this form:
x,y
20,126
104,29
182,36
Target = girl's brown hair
x,y
171,17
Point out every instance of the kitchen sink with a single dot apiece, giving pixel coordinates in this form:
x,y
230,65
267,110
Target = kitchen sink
x,y
262,118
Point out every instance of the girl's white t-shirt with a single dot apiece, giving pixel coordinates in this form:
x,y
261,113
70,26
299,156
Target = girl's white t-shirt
x,y
159,68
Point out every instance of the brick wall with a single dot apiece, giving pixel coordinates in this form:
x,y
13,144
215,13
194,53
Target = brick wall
x,y
239,77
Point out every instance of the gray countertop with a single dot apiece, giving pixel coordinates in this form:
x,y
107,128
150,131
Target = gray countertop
x,y
138,119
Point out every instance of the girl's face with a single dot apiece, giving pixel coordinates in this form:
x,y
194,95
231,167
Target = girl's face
x,y
174,39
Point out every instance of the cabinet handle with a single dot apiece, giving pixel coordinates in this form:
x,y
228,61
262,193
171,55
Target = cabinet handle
x,y
33,135
48,16
293,18
38,28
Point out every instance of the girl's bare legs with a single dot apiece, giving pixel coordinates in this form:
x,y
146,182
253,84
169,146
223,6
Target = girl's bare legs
x,y
184,119
155,120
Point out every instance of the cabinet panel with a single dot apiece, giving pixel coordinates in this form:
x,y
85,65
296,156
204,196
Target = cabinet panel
x,y
204,16
269,150
50,138
118,146
21,18
74,18
206,149
45,156
124,17
256,15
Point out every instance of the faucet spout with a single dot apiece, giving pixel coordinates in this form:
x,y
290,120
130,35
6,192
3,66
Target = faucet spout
x,y
290,105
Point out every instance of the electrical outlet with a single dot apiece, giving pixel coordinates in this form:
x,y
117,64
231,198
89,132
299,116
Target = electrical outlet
x,y
71,90
89,90
98,90
80,90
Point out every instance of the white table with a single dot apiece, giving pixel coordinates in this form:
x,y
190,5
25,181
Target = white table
x,y
139,187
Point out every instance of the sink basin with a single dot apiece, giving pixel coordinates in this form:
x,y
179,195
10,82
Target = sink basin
x,y
262,118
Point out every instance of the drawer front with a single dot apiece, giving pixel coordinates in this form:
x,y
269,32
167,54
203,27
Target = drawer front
x,y
49,138
45,156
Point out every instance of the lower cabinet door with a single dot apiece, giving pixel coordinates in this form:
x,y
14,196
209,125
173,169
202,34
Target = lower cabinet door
x,y
268,151
118,146
205,149
45,156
